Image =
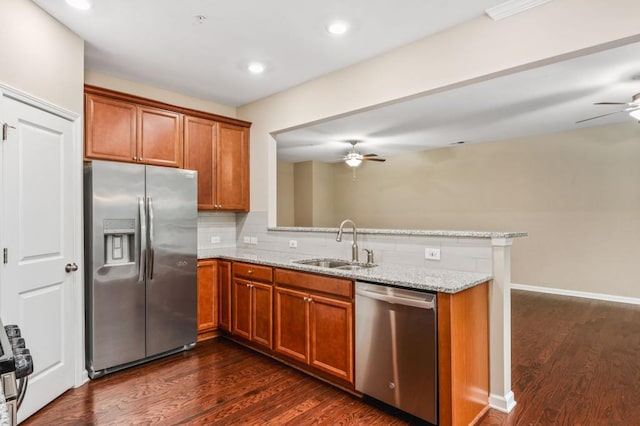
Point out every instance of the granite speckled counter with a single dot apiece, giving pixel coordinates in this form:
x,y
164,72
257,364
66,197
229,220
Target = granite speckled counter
x,y
416,277
406,232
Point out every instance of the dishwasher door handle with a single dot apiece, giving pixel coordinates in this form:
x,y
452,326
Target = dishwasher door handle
x,y
416,303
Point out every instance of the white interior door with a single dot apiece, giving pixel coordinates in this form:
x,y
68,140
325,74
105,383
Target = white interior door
x,y
37,220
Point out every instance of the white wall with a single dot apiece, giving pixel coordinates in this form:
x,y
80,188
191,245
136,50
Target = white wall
x,y
40,56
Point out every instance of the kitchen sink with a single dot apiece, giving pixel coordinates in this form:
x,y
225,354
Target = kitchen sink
x,y
335,264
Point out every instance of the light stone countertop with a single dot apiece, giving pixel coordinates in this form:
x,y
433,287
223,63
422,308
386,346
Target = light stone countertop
x,y
407,276
406,232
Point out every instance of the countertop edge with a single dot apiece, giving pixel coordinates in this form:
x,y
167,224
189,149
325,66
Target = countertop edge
x,y
461,280
407,232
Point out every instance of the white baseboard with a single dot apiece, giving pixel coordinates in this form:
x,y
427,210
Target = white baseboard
x,y
573,293
502,403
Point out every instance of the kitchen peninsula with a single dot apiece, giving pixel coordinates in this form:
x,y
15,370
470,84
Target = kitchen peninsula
x,y
471,281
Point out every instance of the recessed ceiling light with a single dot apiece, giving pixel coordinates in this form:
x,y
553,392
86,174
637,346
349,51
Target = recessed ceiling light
x,y
338,27
80,4
256,68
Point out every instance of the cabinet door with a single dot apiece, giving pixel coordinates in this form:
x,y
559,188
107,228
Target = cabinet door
x,y
110,132
224,293
159,137
207,296
292,318
199,149
262,313
232,167
241,311
331,336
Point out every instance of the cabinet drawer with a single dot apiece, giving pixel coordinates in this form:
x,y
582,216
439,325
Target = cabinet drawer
x,y
336,286
253,272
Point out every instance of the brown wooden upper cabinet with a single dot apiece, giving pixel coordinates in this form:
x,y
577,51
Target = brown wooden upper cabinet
x,y
220,154
123,127
121,130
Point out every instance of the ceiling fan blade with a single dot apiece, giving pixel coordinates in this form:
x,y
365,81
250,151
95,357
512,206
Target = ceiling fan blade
x,y
598,116
611,103
370,155
375,159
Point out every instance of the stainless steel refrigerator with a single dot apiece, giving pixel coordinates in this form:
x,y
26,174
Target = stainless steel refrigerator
x,y
140,263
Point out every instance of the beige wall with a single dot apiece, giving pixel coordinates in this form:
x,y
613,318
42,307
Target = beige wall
x,y
476,50
303,193
323,195
40,56
109,82
575,193
285,194
311,203
470,51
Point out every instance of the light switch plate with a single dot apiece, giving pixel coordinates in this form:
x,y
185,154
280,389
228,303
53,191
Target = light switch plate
x,y
215,240
246,240
253,240
293,243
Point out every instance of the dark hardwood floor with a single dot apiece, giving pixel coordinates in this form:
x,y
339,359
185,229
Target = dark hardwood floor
x,y
575,361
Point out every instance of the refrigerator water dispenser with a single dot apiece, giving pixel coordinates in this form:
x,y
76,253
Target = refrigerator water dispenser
x,y
119,238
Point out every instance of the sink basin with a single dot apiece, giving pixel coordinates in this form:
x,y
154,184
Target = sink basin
x,y
335,264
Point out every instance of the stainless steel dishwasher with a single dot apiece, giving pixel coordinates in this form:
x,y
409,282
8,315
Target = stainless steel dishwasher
x,y
396,348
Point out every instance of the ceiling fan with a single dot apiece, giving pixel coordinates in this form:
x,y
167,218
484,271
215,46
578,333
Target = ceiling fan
x,y
354,158
633,108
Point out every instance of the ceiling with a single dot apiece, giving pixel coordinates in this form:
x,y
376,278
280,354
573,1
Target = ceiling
x,y
540,100
162,42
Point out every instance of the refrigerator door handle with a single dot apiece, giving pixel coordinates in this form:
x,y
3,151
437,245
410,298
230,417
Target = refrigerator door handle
x,y
143,238
151,248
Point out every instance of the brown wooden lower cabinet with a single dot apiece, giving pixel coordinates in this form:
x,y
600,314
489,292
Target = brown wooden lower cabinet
x,y
207,299
463,355
312,328
252,304
311,319
224,294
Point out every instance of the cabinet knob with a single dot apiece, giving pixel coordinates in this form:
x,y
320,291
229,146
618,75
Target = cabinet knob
x,y
250,271
135,158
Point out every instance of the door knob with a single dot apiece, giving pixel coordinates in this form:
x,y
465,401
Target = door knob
x,y
71,267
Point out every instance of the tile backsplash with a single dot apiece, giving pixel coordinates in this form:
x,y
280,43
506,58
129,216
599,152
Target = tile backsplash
x,y
460,254
228,230
216,230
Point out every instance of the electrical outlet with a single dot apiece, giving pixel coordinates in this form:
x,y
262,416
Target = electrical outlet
x,y
246,240
431,253
215,240
253,240
293,244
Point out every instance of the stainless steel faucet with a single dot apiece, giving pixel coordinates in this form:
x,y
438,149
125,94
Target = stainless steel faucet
x,y
354,246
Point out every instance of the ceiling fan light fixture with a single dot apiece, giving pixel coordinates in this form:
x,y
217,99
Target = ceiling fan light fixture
x,y
635,114
353,161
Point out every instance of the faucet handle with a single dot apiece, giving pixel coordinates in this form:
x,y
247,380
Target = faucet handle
x,y
369,255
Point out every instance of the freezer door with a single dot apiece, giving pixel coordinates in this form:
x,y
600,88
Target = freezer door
x,y
114,292
172,259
